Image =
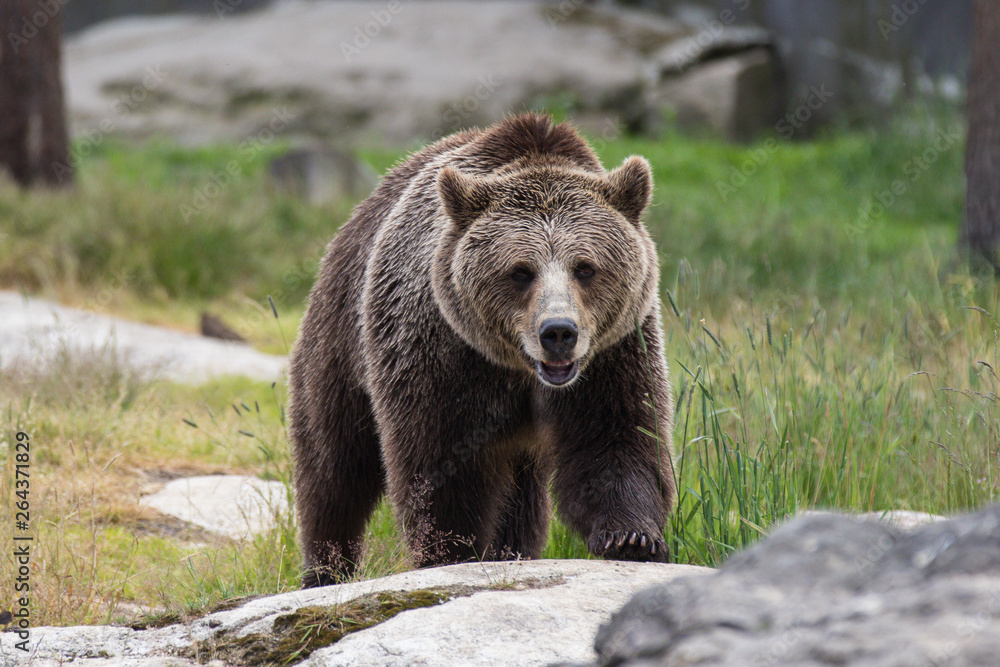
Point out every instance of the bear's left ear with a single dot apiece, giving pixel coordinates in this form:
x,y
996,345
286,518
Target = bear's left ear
x,y
464,197
629,188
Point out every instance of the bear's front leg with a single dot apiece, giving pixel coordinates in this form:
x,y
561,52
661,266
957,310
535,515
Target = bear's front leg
x,y
448,506
614,482
448,450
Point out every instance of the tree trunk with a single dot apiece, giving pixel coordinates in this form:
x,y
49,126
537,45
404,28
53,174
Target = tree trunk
x,y
15,88
33,135
981,233
52,166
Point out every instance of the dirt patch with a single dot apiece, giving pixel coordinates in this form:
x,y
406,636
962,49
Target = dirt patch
x,y
160,525
160,618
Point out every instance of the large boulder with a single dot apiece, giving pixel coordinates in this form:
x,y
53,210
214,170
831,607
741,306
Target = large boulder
x,y
401,72
723,78
508,613
828,590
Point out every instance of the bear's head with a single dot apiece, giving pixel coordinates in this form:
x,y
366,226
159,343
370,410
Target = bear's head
x,y
542,268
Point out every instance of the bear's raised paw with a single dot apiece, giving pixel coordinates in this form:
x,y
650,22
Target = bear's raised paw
x,y
633,545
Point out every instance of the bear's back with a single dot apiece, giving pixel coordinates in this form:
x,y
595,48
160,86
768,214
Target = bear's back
x,y
331,326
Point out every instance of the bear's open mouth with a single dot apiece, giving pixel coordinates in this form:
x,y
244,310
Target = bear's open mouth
x,y
557,372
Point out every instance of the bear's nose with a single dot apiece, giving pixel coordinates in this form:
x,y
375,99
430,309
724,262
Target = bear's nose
x,y
558,336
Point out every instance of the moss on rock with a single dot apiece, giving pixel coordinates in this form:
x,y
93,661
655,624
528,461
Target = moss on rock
x,y
297,634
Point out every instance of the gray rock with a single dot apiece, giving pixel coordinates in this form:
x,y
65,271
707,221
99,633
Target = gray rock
x,y
828,590
735,96
359,73
682,54
513,613
231,505
36,333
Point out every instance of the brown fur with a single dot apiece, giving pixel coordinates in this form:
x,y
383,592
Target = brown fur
x,y
419,366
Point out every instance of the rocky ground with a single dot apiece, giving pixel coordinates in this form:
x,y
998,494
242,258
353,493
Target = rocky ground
x,y
521,613
823,589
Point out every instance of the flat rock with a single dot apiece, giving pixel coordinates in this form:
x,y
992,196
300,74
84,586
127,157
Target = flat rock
x,y
507,613
231,505
337,69
36,333
828,589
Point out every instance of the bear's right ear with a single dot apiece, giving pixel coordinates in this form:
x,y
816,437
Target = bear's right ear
x,y
464,197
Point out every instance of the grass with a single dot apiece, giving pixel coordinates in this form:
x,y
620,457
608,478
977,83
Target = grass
x,y
151,232
101,438
773,419
827,350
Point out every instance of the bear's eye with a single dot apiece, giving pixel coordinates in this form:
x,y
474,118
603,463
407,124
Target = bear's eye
x,y
584,272
521,276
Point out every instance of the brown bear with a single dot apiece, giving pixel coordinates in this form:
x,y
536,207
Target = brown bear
x,y
486,324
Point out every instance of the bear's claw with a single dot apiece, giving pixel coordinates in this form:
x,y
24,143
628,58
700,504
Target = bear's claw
x,y
629,545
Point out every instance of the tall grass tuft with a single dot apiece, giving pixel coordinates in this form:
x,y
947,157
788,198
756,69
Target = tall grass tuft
x,y
861,416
